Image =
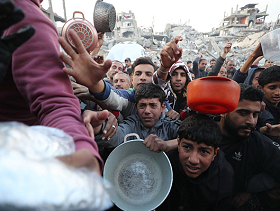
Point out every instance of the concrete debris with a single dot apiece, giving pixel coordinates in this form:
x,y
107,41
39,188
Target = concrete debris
x,y
245,37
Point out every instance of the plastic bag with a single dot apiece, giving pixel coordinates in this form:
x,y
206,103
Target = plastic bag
x,y
31,178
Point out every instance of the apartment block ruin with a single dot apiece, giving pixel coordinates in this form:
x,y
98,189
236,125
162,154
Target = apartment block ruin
x,y
246,17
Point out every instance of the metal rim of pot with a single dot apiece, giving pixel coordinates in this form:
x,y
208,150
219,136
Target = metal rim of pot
x,y
117,170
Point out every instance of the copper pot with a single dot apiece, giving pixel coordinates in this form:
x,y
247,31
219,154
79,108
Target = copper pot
x,y
85,30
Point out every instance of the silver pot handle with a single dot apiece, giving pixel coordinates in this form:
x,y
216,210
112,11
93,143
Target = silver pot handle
x,y
131,134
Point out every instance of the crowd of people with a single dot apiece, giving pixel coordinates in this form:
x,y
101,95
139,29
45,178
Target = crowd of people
x,y
223,162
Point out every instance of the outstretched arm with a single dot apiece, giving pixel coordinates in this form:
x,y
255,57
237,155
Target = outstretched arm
x,y
84,69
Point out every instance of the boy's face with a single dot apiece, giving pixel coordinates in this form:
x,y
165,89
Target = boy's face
x,y
195,158
149,111
272,92
143,73
178,80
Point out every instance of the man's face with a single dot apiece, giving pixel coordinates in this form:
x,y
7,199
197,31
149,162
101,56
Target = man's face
x,y
189,65
269,63
222,72
120,81
255,80
230,66
212,63
202,65
127,63
149,111
242,121
143,74
178,80
115,68
272,92
195,158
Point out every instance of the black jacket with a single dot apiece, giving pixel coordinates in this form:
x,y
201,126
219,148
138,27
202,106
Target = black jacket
x,y
251,156
212,190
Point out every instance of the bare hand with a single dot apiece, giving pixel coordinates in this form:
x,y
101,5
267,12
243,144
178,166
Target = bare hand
x,y
272,130
240,199
94,119
154,143
81,158
84,69
258,51
171,53
172,114
227,47
99,59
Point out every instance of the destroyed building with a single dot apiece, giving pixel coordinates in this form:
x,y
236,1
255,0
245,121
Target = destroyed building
x,y
246,17
126,26
243,27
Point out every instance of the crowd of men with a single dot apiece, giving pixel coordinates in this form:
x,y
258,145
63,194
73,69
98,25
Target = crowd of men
x,y
227,162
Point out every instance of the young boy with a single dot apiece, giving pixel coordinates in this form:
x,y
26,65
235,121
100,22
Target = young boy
x,y
202,178
269,80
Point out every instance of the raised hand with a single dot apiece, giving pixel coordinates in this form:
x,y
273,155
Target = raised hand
x,y
84,69
171,53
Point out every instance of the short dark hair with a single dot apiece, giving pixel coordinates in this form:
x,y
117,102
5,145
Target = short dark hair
x,y
200,60
200,128
249,92
142,60
269,75
119,62
150,90
188,62
212,60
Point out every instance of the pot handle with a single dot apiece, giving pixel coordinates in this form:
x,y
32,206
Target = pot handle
x,y
78,12
131,134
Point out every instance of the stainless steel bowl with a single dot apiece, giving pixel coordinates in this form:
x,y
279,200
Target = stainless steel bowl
x,y
142,178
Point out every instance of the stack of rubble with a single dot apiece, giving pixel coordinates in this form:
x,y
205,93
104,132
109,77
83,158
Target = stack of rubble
x,y
195,43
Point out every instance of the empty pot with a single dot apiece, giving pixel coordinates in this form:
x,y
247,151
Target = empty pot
x,y
104,16
270,43
85,30
213,95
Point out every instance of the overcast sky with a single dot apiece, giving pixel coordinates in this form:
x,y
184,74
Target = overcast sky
x,y
201,15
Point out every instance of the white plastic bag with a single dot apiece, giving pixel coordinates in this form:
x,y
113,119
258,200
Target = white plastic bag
x,y
31,178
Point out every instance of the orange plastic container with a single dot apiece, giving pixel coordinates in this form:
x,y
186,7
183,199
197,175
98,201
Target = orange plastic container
x,y
213,95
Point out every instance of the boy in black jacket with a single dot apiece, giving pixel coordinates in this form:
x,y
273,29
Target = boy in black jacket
x,y
202,178
269,80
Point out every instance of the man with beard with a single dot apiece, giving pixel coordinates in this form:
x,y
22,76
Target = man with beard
x,y
250,153
230,66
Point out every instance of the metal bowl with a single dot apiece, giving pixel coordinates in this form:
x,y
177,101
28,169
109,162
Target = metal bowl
x,y
142,178
104,16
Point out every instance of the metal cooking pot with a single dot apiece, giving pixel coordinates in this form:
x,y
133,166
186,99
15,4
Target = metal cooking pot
x,y
104,16
142,179
85,30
